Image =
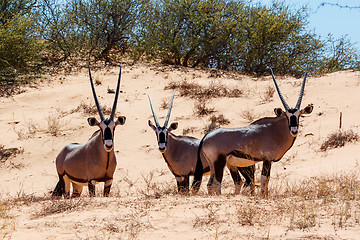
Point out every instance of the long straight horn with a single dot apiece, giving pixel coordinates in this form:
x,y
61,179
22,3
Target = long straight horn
x,y
95,98
279,92
153,112
116,97
301,93
168,115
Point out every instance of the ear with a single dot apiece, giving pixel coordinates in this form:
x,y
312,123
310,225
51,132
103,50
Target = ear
x,y
120,120
173,126
152,125
308,109
278,111
93,122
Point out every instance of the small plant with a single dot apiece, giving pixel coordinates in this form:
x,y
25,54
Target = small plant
x,y
54,125
186,131
90,109
268,94
248,115
216,122
339,139
202,110
5,153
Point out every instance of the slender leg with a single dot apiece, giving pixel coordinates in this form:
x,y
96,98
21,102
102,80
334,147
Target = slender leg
x,y
91,186
77,189
249,175
107,186
183,184
67,181
219,173
59,189
236,178
265,176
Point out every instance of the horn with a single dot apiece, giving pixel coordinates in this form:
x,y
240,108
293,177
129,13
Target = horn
x,y
301,93
279,92
153,112
95,98
116,97
168,115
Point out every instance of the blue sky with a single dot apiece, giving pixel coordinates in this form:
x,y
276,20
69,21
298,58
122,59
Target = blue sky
x,y
330,19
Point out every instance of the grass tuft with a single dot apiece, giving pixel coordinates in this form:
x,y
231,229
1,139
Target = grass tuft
x,y
339,139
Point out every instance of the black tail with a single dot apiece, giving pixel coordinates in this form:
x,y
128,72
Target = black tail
x,y
199,170
58,191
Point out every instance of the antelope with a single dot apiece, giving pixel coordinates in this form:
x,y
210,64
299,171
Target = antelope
x,y
93,161
265,140
180,152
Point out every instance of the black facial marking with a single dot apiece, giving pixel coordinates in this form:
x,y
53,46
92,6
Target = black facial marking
x,y
107,134
161,137
293,121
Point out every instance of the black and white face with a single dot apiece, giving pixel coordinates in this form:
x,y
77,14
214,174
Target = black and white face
x,y
162,134
293,116
107,128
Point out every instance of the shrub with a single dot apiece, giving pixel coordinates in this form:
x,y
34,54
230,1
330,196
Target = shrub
x,y
339,139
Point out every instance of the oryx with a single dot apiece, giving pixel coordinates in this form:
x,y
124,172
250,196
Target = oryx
x,y
265,140
93,161
180,152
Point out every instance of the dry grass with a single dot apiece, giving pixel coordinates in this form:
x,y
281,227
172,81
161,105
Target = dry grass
x,y
249,116
6,153
268,94
90,109
202,110
196,91
339,139
53,125
216,122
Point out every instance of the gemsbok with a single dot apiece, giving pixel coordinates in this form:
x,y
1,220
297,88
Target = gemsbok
x,y
180,153
265,140
94,161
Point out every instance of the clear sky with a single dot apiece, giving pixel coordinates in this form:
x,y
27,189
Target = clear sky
x,y
331,19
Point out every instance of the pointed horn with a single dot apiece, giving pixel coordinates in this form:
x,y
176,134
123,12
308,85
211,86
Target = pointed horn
x,y
279,92
116,97
153,112
301,93
95,98
168,115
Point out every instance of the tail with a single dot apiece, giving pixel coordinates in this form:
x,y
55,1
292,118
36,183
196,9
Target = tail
x,y
199,170
58,191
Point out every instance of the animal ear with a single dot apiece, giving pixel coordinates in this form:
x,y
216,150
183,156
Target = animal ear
x,y
173,126
93,122
278,111
120,120
152,125
308,109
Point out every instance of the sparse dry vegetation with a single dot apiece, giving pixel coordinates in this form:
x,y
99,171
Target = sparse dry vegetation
x,y
90,109
196,91
248,115
202,110
339,139
53,125
216,122
6,153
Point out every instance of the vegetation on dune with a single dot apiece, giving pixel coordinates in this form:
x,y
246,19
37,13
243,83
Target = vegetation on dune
x,y
221,34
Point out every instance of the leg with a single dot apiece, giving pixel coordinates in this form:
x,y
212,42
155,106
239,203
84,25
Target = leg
x,y
77,189
265,176
107,186
91,186
219,173
66,186
249,175
59,189
183,184
236,178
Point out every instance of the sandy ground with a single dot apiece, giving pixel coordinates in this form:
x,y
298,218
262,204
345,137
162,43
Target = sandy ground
x,y
144,203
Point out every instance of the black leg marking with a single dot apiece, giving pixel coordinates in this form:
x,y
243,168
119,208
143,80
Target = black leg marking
x,y
249,174
235,176
91,189
183,186
266,168
219,166
107,190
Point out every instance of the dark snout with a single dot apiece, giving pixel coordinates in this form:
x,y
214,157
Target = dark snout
x,y
294,126
162,143
108,140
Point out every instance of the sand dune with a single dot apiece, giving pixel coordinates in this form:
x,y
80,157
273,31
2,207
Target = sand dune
x,y
144,203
